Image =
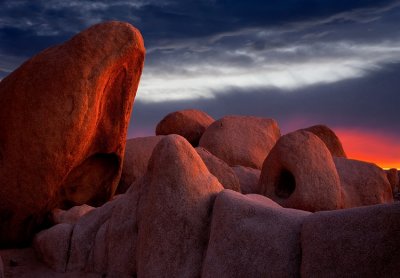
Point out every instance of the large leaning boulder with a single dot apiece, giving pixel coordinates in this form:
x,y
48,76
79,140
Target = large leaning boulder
x,y
362,183
329,138
251,236
357,242
300,173
241,140
63,125
174,212
225,175
137,156
190,124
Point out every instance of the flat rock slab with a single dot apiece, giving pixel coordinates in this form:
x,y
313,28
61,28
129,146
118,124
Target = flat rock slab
x,y
252,236
358,242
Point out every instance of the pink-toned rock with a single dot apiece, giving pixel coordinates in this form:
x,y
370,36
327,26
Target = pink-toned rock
x,y
329,138
299,173
362,183
248,179
174,212
137,155
63,124
52,246
190,123
252,238
1,268
241,140
70,216
225,175
393,178
357,242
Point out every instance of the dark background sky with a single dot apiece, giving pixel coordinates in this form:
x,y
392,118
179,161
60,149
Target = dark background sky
x,y
301,62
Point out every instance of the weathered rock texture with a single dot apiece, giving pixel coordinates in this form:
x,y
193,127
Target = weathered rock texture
x,y
251,238
225,175
299,173
1,268
248,179
63,125
70,216
174,211
329,138
158,228
393,178
190,124
362,183
241,140
136,159
358,242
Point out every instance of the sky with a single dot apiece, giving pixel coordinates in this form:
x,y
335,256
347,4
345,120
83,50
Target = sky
x,y
333,62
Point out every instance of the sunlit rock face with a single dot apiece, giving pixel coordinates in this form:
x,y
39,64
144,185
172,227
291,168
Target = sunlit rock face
x,y
190,124
63,125
241,140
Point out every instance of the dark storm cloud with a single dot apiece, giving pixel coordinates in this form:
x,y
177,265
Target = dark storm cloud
x,y
370,102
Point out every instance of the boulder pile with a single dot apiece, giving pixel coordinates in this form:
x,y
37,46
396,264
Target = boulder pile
x,y
202,198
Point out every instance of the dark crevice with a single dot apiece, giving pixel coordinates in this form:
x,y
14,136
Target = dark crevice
x,y
285,184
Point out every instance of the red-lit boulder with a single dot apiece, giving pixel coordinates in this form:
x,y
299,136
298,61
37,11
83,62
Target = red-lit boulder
x,y
190,124
241,140
393,178
248,179
137,155
357,242
299,173
252,238
329,138
63,123
362,183
174,211
225,175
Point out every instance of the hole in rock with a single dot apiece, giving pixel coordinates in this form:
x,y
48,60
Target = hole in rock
x,y
90,182
285,184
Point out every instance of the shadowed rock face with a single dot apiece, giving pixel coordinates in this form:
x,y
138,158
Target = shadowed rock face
x,y
190,124
393,178
362,183
330,139
299,172
63,125
248,179
241,140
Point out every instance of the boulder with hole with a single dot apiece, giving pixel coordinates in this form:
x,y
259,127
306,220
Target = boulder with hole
x,y
253,237
300,173
241,140
64,120
190,124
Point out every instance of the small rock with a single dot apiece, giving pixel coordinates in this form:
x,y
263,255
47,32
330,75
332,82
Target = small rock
x,y
248,179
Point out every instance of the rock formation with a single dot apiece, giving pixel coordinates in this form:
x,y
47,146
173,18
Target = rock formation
x,y
63,126
393,178
175,195
362,183
299,173
241,140
190,124
136,159
329,138
251,238
248,179
358,242
225,175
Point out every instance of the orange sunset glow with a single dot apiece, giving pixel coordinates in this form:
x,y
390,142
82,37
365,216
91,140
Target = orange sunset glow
x,y
372,146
